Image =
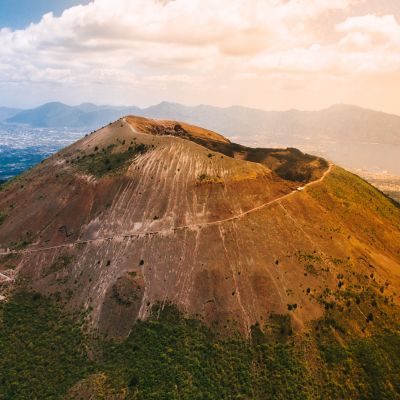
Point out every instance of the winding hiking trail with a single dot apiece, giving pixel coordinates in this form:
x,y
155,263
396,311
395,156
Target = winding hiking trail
x,y
169,230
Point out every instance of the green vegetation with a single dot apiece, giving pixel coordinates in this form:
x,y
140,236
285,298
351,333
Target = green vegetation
x,y
100,163
296,166
60,264
45,355
3,217
314,263
356,367
9,261
6,184
355,196
42,350
306,257
176,358
310,269
204,178
25,241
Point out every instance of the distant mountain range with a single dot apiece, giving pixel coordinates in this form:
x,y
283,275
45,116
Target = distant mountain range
x,y
357,138
56,115
7,112
338,123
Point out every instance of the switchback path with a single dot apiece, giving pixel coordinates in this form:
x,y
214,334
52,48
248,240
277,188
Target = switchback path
x,y
169,230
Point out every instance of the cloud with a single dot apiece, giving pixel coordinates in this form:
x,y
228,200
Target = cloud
x,y
385,28
143,27
373,32
171,43
355,40
371,43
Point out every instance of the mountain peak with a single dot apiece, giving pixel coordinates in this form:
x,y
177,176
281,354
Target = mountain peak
x,y
177,179
184,245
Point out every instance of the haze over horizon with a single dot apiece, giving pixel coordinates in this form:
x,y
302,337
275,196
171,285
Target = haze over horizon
x,y
271,55
161,102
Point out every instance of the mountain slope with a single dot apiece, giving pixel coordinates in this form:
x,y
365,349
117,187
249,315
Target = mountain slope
x,y
264,272
48,115
217,235
7,112
55,115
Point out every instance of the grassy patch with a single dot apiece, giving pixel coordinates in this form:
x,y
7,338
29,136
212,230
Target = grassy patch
x,y
5,184
9,261
310,269
204,178
60,264
3,217
100,163
308,257
24,241
355,196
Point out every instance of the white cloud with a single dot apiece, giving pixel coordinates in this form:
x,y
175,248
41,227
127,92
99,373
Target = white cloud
x,y
167,44
354,40
383,28
371,43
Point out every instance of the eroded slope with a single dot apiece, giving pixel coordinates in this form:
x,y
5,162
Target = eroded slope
x,y
144,212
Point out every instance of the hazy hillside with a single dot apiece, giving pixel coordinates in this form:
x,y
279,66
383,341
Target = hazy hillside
x,y
50,114
354,137
6,113
341,123
57,115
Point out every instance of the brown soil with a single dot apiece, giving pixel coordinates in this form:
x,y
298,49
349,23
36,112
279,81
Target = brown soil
x,y
218,229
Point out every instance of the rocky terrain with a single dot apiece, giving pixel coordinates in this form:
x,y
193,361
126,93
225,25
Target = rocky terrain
x,y
144,217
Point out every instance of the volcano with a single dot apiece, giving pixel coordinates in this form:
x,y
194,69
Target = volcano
x,y
146,214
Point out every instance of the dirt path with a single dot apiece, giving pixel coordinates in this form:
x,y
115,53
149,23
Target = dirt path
x,y
169,230
5,278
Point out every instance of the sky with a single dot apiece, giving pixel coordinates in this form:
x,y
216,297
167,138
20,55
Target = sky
x,y
18,14
268,54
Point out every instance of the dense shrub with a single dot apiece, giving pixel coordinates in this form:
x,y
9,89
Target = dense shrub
x,y
42,350
44,354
